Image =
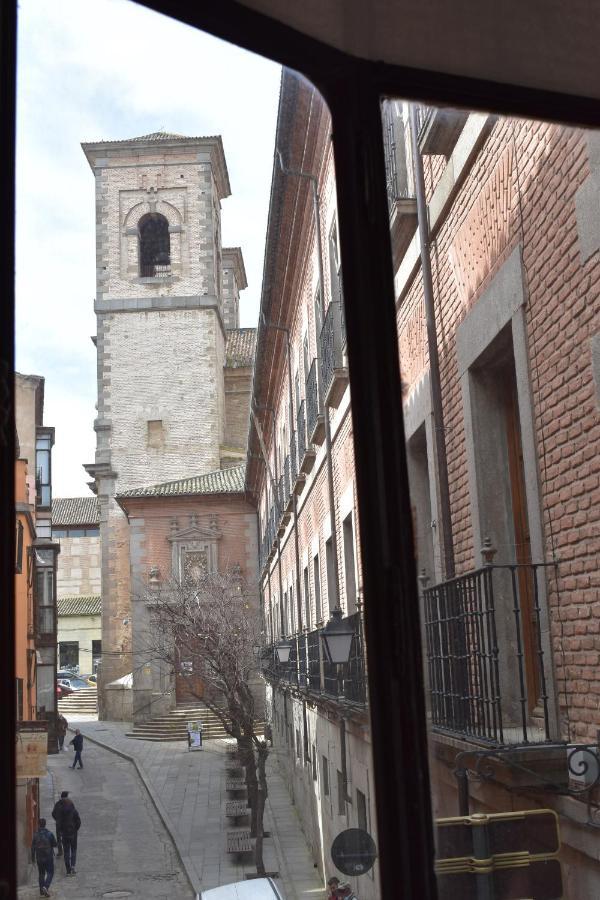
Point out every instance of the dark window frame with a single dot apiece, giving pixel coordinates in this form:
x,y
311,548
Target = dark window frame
x,y
353,88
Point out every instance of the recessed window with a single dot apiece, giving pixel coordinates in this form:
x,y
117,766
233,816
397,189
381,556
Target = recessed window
x,y
155,246
155,434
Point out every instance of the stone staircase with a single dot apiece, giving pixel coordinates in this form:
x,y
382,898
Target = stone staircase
x,y
172,726
83,702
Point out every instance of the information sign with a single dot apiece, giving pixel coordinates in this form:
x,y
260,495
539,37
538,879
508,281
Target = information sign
x,y
194,730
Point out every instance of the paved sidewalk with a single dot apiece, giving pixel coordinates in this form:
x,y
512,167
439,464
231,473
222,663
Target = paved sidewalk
x,y
188,789
123,847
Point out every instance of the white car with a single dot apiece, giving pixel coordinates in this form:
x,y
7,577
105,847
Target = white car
x,y
254,889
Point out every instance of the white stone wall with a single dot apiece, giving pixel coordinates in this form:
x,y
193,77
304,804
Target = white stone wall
x,y
84,630
78,572
163,366
180,186
318,809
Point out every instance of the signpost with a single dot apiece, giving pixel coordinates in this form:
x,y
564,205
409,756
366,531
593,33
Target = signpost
x,y
502,856
194,730
353,851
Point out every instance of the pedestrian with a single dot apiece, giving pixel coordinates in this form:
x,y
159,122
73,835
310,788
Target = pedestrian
x,y
42,853
61,730
345,891
68,822
56,815
77,742
332,886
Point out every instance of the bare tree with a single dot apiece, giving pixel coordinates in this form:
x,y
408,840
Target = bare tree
x,y
206,629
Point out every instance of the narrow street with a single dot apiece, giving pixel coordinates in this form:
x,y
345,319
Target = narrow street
x,y
123,848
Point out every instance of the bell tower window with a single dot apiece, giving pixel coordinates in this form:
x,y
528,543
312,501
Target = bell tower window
x,y
155,246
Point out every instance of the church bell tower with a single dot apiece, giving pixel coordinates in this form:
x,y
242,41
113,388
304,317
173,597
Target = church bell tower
x,y
162,314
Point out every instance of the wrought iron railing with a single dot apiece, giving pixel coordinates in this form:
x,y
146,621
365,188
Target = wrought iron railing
x,y
331,345
306,663
313,642
485,656
153,270
312,398
424,114
301,432
287,480
398,167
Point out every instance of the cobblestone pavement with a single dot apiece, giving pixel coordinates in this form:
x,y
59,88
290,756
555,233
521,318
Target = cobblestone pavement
x,y
123,846
189,789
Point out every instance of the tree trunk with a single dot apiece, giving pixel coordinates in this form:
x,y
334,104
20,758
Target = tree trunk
x,y
249,763
261,799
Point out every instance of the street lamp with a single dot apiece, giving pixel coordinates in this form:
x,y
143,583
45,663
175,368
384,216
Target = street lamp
x,y
283,649
337,638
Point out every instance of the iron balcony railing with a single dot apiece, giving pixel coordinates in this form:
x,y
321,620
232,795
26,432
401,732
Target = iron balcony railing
x,y
301,432
331,345
485,656
154,270
312,398
287,480
397,154
307,668
424,114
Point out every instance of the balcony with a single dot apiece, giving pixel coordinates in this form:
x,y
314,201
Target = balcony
x,y
306,454
288,503
315,420
309,671
399,178
334,373
485,657
439,129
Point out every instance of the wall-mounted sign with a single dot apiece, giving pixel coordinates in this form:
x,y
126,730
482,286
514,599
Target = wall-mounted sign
x,y
32,749
353,851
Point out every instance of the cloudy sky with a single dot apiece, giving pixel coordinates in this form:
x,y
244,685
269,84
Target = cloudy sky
x,y
108,69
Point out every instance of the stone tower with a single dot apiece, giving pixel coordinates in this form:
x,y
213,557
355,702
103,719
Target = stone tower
x,y
162,313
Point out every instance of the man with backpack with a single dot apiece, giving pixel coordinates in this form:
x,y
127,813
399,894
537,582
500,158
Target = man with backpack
x,y
77,742
42,853
68,824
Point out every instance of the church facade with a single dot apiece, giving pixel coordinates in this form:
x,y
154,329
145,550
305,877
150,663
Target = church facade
x,y
174,377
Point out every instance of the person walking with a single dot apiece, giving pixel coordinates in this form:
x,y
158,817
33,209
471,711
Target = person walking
x,y
61,730
69,823
332,886
77,742
42,853
56,815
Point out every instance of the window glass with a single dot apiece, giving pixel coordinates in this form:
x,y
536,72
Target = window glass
x,y
489,237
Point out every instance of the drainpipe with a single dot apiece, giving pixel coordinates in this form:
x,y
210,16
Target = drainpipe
x,y
274,486
434,364
286,331
315,198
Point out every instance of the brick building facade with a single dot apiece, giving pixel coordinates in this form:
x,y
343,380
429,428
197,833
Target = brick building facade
x,y
510,602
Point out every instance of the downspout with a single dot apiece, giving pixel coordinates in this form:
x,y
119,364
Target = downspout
x,y
286,331
315,197
434,363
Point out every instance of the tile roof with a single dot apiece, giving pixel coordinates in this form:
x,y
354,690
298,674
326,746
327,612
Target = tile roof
x,y
79,606
75,511
223,481
240,349
161,136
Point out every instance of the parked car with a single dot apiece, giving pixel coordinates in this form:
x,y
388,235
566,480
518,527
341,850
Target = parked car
x,y
63,688
255,889
78,683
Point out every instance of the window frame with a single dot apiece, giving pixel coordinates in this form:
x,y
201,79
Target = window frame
x,y
353,88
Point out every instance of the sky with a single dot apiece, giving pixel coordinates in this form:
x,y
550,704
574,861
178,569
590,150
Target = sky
x,y
108,70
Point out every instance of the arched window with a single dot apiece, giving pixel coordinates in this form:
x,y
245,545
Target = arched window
x,y
155,246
